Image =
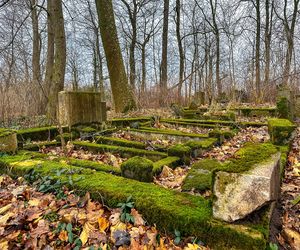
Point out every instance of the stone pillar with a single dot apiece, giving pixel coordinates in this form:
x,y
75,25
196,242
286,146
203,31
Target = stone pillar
x,y
200,97
80,108
297,106
285,103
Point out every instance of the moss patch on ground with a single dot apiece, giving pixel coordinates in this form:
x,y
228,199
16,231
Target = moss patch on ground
x,y
119,142
280,130
40,145
169,210
123,151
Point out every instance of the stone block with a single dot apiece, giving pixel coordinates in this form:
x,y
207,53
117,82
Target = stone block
x,y
8,141
80,108
239,194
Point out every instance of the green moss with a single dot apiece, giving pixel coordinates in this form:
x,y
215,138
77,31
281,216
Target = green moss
x,y
249,155
6,132
138,168
199,146
67,136
197,121
168,132
228,116
123,151
169,210
186,124
171,161
221,135
88,130
252,124
197,180
94,165
204,144
283,108
119,142
280,130
38,134
38,146
181,151
124,122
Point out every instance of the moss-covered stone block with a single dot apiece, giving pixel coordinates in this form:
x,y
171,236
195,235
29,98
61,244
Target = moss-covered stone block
x,y
280,130
67,136
119,142
138,168
123,151
40,145
38,134
8,141
181,151
199,177
170,161
221,135
198,147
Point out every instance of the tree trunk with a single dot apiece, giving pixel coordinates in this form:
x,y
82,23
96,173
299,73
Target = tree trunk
x,y
180,48
122,94
50,47
59,66
164,59
36,54
268,35
257,52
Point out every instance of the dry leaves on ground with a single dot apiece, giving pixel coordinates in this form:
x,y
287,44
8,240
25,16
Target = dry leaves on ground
x,y
34,220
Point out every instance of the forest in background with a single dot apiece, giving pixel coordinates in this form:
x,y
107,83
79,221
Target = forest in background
x,y
236,50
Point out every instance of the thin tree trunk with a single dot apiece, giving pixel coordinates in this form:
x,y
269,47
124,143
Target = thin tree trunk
x,y
164,59
257,52
36,54
180,48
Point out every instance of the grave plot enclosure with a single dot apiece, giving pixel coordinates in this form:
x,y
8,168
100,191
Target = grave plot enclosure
x,y
210,218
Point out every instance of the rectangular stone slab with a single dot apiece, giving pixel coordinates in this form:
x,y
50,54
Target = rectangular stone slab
x,y
80,108
239,194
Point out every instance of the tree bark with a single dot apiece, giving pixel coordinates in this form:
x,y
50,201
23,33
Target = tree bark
x,y
122,94
59,66
180,48
164,59
36,55
257,52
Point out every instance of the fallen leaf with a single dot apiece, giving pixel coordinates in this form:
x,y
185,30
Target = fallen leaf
x,y
84,236
5,208
63,235
5,218
103,224
138,220
4,245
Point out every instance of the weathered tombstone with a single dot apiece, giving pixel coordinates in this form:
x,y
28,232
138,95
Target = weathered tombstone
x,y
297,106
80,108
285,104
200,97
8,141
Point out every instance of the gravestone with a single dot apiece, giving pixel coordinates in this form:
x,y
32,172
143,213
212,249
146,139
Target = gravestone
x,y
297,106
200,97
80,108
285,102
